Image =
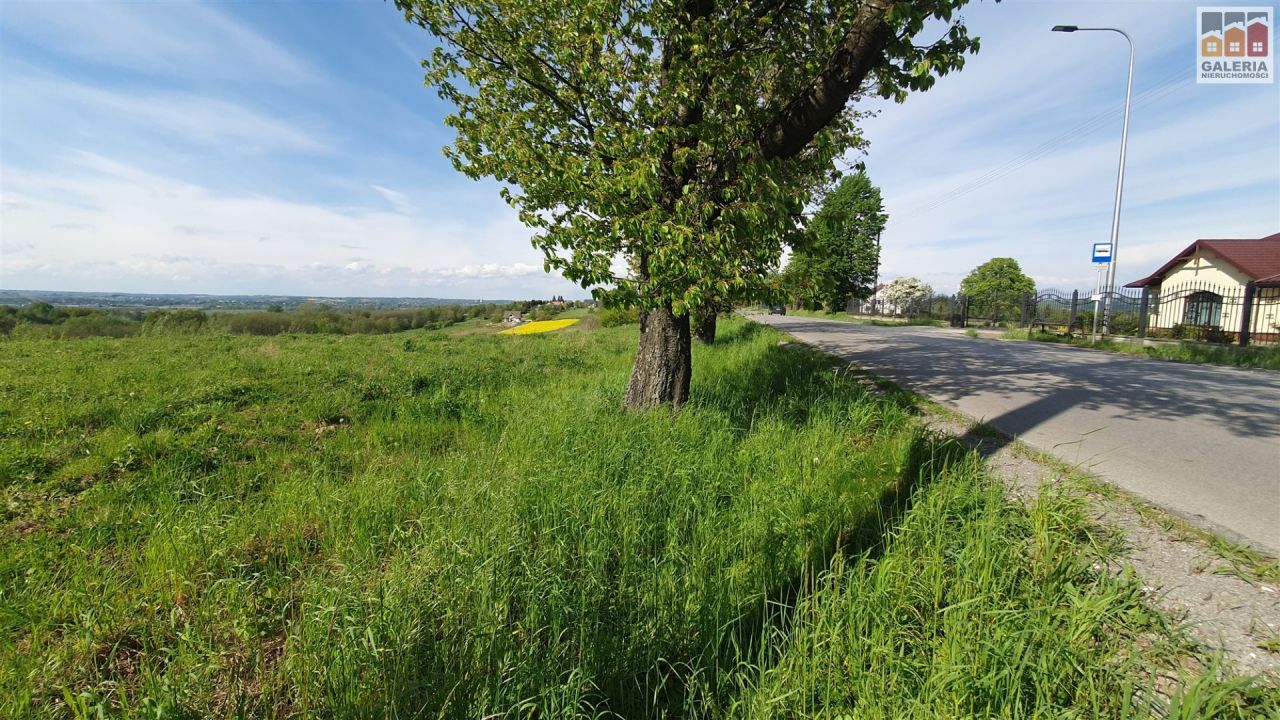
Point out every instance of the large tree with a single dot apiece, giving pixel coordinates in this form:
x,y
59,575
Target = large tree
x,y
996,287
663,149
840,255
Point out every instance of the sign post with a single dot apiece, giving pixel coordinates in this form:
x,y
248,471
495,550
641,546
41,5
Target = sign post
x,y
1102,259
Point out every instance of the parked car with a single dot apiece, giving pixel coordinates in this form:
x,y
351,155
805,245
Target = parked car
x,y
777,310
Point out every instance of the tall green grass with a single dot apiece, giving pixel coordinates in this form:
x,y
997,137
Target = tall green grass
x,y
424,525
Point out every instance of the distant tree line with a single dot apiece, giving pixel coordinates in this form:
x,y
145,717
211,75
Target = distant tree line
x,y
42,320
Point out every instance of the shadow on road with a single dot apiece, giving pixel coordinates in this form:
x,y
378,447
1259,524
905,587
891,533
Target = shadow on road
x,y
951,368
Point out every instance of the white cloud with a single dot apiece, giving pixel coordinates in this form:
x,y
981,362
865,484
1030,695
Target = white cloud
x,y
398,200
1203,161
165,39
39,103
149,229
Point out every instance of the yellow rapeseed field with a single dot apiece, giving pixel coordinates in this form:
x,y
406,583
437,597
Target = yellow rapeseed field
x,y
539,326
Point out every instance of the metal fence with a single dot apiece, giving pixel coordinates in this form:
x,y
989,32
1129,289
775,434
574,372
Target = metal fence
x,y
1248,315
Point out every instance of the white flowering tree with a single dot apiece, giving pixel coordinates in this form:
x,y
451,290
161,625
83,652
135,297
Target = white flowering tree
x,y
903,295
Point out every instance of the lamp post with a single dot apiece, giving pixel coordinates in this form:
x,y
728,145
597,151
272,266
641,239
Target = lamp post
x,y
1124,141
875,284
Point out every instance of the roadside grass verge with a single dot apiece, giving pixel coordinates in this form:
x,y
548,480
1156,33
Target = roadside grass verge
x,y
1240,560
1266,357
427,525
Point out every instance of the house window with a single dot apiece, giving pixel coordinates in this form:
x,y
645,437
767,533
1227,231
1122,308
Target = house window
x,y
1204,308
1211,48
1257,47
1233,46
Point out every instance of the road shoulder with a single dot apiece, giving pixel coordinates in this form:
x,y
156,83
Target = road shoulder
x,y
1224,596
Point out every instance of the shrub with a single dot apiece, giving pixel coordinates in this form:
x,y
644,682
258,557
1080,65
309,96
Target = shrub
x,y
183,322
1124,324
1201,333
42,313
613,317
258,323
99,325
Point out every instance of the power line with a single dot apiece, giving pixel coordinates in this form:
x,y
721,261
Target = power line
x,y
1166,87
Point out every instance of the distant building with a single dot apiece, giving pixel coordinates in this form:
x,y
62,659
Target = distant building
x,y
1204,286
513,317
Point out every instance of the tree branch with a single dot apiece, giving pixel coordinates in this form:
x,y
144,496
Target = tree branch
x,y
859,53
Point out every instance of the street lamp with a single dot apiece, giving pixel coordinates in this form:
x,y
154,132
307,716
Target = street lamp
x,y
1124,140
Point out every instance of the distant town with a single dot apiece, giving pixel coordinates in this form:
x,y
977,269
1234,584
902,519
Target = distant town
x,y
222,302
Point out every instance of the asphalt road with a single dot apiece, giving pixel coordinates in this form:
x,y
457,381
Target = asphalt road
x,y
1200,440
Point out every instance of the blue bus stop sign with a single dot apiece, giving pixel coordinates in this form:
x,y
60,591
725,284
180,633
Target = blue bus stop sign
x,y
1102,252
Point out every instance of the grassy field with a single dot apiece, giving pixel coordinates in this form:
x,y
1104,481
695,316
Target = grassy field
x,y
461,526
1266,357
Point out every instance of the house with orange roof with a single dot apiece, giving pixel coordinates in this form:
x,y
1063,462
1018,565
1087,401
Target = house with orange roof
x,y
1211,34
1233,34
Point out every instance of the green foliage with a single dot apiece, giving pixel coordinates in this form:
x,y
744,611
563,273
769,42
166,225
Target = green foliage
x,y
996,289
684,137
1200,333
837,258
8,319
98,325
42,313
1123,324
613,317
178,322
258,323
308,318
41,320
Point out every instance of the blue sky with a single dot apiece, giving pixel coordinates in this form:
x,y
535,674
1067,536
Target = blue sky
x,y
290,147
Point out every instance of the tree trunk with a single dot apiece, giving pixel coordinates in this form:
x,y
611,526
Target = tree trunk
x,y
705,328
664,362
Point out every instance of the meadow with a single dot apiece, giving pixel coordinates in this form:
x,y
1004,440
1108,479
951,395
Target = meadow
x,y
436,525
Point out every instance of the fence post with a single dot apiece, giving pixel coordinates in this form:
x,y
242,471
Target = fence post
x,y
1075,300
1246,313
964,311
1025,320
1142,312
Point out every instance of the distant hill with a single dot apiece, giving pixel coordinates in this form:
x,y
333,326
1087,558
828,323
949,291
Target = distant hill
x,y
218,302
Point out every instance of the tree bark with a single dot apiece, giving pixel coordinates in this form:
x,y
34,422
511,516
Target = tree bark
x,y
664,362
705,327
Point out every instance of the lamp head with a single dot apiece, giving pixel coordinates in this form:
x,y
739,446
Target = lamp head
x,y
1065,28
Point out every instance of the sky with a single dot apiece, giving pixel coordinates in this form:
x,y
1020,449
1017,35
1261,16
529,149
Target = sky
x,y
291,148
